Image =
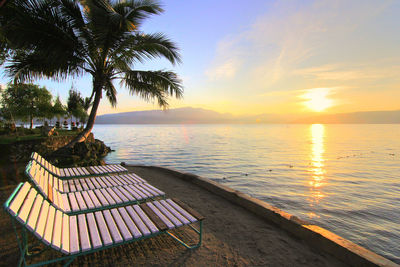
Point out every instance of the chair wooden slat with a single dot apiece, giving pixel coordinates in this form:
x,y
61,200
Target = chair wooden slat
x,y
90,184
182,218
126,193
148,189
84,233
48,232
89,170
73,201
94,231
27,206
107,196
129,223
142,221
88,200
168,214
140,179
133,191
81,201
117,238
123,229
65,202
84,184
84,171
106,181
57,231
100,181
160,193
73,235
111,168
120,194
19,199
78,185
194,213
182,211
34,214
114,195
101,197
93,168
105,233
65,235
94,198
96,183
111,181
141,189
41,222
160,215
65,186
72,187
154,217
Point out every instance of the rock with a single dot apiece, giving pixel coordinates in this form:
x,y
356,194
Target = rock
x,y
47,130
82,154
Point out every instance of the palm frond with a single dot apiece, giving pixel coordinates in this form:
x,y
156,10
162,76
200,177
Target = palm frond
x,y
111,93
157,85
141,47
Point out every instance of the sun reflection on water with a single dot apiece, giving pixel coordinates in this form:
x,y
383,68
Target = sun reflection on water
x,y
316,168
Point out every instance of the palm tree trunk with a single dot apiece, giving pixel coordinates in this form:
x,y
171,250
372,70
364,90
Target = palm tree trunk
x,y
82,136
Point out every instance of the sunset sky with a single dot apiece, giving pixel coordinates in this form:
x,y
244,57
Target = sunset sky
x,y
252,57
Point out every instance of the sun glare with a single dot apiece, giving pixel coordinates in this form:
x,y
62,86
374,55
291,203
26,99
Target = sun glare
x,y
317,99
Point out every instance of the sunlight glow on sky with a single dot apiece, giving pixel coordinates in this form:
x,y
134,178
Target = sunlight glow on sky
x,y
317,99
275,56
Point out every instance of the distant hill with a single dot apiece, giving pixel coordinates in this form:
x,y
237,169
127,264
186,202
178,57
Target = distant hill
x,y
172,116
191,115
356,117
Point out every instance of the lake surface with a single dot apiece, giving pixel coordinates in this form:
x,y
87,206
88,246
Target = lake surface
x,y
345,178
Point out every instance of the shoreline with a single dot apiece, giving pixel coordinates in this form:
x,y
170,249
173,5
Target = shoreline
x,y
313,235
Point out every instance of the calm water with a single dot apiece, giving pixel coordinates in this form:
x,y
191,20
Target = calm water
x,y
342,177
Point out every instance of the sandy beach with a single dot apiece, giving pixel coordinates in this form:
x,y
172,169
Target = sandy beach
x,y
232,236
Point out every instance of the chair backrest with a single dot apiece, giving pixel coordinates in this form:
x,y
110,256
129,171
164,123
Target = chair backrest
x,y
42,161
39,216
43,179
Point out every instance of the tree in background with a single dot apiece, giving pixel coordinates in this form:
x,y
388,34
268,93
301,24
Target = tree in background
x,y
25,102
44,105
101,38
58,109
73,103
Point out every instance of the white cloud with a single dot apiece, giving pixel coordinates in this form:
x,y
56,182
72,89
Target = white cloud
x,y
223,70
292,39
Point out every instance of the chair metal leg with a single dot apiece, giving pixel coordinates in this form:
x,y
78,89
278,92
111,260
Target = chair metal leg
x,y
183,243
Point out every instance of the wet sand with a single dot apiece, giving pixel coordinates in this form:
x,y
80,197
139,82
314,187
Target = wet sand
x,y
232,236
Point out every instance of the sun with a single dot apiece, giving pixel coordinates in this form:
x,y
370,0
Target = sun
x,y
316,99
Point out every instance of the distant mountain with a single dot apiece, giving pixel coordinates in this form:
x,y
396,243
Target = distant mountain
x,y
186,115
355,117
191,115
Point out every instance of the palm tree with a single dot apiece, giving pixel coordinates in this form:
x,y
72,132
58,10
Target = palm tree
x,y
66,38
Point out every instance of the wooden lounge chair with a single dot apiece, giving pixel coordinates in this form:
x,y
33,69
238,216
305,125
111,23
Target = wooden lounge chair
x,y
39,175
78,171
75,235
